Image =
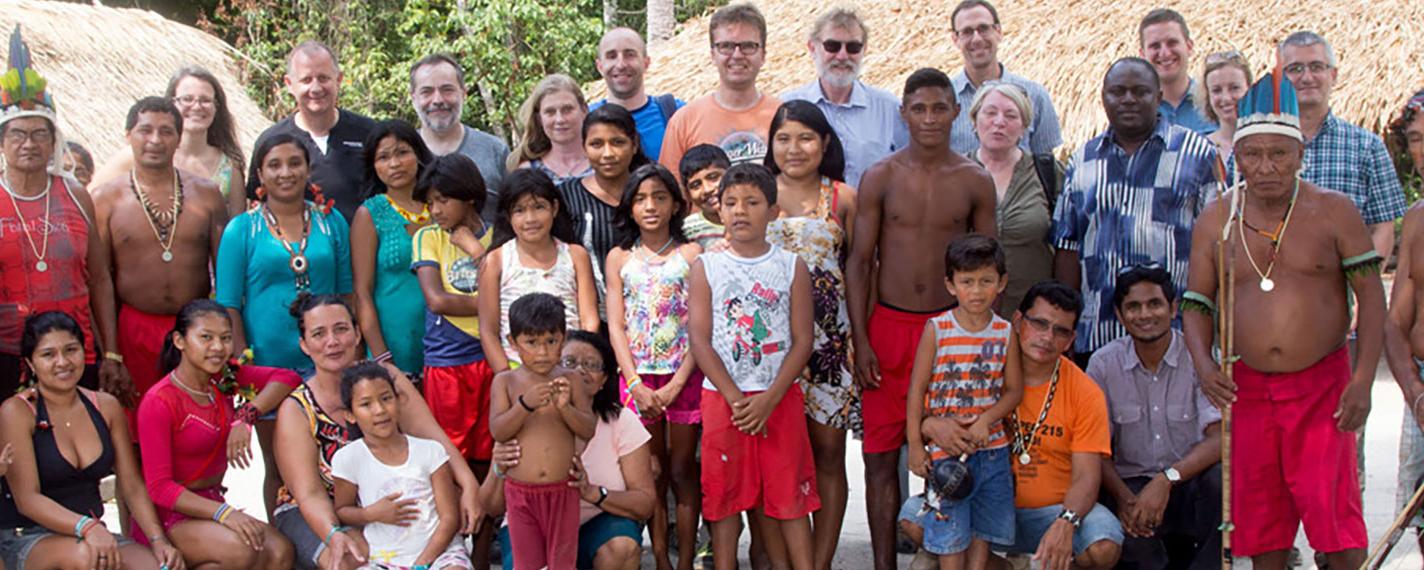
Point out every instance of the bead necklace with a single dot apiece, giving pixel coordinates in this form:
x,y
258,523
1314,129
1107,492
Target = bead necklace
x,y
164,224
43,250
298,259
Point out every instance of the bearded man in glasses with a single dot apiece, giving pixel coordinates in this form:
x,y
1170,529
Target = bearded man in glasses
x,y
977,35
867,119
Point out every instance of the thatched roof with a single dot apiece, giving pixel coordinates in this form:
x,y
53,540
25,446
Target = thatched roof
x,y
1067,45
100,60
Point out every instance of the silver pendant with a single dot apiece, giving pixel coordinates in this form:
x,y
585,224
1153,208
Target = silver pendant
x,y
167,256
1267,285
299,264
1024,459
41,266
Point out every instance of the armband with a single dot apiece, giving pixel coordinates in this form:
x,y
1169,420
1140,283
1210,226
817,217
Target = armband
x,y
1362,264
1194,301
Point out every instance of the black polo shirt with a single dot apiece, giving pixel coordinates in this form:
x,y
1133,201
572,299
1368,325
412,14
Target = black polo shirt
x,y
340,171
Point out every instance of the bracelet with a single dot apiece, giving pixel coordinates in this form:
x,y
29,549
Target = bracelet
x,y
602,496
526,406
114,356
79,526
634,383
496,470
221,513
334,530
384,356
420,567
247,413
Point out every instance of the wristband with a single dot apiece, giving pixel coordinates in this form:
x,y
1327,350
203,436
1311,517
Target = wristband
x,y
420,567
334,530
114,356
526,406
79,526
384,356
634,383
248,414
497,470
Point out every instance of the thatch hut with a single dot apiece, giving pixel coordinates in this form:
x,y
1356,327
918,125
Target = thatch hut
x,y
100,60
1068,44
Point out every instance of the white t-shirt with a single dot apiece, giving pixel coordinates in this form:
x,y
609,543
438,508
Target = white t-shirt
x,y
394,545
751,314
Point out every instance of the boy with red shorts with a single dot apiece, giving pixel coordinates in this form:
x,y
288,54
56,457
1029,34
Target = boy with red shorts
x,y
756,454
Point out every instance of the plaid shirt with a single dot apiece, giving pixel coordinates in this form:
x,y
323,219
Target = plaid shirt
x,y
1119,209
1351,160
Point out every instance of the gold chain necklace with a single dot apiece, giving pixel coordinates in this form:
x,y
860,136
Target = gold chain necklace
x,y
43,250
1267,284
166,234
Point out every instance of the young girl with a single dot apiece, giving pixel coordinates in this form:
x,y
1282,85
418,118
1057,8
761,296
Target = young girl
x,y
531,253
647,316
189,432
411,510
817,213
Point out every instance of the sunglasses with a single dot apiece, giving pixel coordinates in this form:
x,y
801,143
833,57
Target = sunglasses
x,y
1147,266
834,46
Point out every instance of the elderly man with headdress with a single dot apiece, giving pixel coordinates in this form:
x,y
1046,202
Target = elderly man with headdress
x,y
1291,248
47,241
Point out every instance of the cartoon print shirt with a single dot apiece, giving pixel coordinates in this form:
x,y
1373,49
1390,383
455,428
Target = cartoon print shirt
x,y
751,314
741,133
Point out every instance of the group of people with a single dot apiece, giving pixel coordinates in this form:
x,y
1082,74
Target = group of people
x,y
430,331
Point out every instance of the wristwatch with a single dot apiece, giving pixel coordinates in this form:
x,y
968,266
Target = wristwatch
x,y
1173,476
602,496
1072,518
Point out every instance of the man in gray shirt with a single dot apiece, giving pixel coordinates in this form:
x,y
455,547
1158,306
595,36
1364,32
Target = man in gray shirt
x,y
977,35
437,90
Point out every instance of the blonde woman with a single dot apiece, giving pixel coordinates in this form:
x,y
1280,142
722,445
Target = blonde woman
x,y
1225,80
550,137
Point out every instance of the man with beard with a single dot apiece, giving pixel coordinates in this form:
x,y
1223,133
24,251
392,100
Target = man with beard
x,y
437,90
161,226
1129,196
1164,479
1294,395
334,138
867,119
977,35
622,61
1164,41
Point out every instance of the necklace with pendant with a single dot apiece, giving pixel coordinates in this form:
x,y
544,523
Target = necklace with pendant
x,y
164,224
298,259
43,249
1267,284
1023,444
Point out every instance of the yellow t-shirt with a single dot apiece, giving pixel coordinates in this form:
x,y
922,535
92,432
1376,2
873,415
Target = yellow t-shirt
x,y
449,340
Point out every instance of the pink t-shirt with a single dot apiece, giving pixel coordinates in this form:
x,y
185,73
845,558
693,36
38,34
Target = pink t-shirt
x,y
611,441
742,134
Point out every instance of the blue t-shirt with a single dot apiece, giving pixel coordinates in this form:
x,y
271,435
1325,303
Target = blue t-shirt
x,y
254,277
651,123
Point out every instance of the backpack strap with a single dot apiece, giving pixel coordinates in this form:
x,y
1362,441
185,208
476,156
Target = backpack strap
x,y
667,104
1047,168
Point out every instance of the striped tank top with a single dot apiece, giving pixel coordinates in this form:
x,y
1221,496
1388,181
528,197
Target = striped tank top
x,y
968,373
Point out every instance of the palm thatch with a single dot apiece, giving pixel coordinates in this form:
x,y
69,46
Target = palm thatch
x,y
100,60
1067,45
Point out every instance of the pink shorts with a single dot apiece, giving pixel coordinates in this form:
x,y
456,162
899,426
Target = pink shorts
x,y
459,398
1290,463
894,336
543,521
685,409
169,518
775,472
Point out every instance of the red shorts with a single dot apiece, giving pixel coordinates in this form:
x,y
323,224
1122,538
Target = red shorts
x,y
543,520
459,398
894,336
1290,463
141,337
775,472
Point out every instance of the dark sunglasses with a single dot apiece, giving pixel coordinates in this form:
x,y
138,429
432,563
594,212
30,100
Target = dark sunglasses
x,y
834,46
1148,266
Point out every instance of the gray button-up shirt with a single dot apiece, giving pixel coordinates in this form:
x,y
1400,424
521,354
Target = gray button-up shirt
x,y
869,124
1041,136
1157,418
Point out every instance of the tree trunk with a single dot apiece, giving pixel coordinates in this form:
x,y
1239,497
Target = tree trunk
x,y
661,21
610,13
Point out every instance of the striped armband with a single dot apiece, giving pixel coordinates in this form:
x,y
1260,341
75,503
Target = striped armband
x,y
1362,264
1194,301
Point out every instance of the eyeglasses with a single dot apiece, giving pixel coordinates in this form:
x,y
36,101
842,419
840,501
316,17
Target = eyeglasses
x,y
589,366
1043,326
747,48
39,136
1147,266
1314,67
981,29
834,46
193,100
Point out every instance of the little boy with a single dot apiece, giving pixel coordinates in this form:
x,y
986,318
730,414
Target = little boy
x,y
751,332
547,413
964,373
701,170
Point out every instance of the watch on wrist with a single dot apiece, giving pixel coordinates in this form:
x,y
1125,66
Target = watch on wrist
x,y
1073,518
1173,476
602,496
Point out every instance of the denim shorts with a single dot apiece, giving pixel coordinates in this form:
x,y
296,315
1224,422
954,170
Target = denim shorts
x,y
592,536
16,543
1032,524
308,546
986,514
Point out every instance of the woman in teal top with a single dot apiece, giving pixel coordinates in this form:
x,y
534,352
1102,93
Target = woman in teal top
x,y
389,302
278,248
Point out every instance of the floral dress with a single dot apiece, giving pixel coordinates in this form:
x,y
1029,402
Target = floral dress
x,y
832,397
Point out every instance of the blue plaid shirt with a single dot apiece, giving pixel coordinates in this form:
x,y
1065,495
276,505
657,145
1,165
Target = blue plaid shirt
x,y
1353,161
1188,114
1041,137
1119,209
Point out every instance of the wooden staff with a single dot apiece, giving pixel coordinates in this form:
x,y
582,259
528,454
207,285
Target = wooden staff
x,y
1226,332
1396,530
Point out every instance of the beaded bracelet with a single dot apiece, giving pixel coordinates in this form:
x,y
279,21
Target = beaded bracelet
x,y
247,413
218,515
334,530
384,356
79,526
420,567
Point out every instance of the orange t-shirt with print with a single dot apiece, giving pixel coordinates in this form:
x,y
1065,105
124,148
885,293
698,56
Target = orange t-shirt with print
x,y
742,134
1077,423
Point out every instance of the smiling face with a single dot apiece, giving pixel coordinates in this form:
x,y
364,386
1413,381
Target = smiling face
x,y
532,218
739,68
1310,71
977,36
929,112
702,187
330,338
610,150
1166,46
375,407
1225,87
797,150
622,61
284,173
437,95
585,361
154,139
999,123
839,68
196,100
653,205
1146,312
312,78
1130,99
561,117
207,345
58,361
396,163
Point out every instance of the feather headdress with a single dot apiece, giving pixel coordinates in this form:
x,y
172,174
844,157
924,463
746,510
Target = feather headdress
x,y
22,89
1269,107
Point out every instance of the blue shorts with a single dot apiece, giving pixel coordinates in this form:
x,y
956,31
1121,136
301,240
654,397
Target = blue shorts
x,y
1032,524
288,521
987,514
16,543
592,536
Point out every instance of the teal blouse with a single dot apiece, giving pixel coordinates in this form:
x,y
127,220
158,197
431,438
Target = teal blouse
x,y
253,277
399,300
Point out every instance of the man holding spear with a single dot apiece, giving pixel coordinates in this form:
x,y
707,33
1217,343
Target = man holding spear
x,y
1294,398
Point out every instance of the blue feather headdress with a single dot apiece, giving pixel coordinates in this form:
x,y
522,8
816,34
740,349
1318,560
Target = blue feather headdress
x,y
1269,107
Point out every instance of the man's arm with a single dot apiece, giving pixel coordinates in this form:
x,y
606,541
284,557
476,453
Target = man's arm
x,y
1382,236
985,203
1364,280
113,376
1199,310
1398,352
858,271
1066,236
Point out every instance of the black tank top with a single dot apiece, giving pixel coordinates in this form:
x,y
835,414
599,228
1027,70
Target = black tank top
x,y
76,489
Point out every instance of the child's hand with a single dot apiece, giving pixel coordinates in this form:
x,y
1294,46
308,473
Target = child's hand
x,y
539,395
650,405
750,413
7,456
948,434
563,393
393,510
465,239
979,432
919,461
